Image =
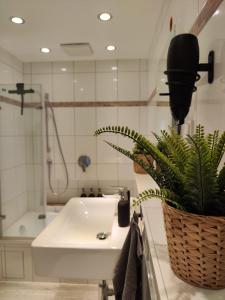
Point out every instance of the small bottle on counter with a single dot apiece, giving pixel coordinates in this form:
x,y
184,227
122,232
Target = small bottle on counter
x,y
99,193
91,193
83,194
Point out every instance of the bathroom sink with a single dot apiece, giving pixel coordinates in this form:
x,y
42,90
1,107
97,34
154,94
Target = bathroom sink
x,y
70,247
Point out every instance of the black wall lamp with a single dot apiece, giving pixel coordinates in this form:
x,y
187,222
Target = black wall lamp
x,y
182,73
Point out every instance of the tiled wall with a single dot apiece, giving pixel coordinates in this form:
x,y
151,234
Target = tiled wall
x,y
14,188
91,81
109,80
209,106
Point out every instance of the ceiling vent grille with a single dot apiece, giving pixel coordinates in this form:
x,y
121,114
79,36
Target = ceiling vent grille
x,y
77,49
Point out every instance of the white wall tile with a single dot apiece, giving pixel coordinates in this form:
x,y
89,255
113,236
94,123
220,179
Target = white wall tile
x,y
144,92
7,121
10,60
164,119
68,148
128,65
106,116
45,80
6,74
62,67
41,68
107,171
105,153
37,149
106,66
27,79
144,65
17,77
85,121
86,145
149,125
129,116
60,175
87,184
89,174
8,152
106,87
62,85
128,86
84,66
27,68
84,86
65,120
125,171
127,144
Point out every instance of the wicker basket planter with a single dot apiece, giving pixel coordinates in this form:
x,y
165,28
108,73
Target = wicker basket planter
x,y
196,246
138,169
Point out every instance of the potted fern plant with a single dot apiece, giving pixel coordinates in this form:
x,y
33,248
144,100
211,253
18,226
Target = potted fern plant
x,y
144,156
192,190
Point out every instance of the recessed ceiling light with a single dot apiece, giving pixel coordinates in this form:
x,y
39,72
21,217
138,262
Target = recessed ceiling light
x,y
17,20
45,50
63,69
114,68
111,48
105,16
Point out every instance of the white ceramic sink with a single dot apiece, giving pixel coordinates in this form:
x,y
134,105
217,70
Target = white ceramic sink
x,y
68,247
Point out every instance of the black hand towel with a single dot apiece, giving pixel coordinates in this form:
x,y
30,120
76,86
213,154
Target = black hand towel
x,y
127,281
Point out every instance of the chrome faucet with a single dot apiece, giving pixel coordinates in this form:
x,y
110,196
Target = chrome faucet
x,y
122,191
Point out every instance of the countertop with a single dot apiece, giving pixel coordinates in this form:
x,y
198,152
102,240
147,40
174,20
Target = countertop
x,y
169,286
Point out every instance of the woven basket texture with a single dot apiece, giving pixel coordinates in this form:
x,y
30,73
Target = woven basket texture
x,y
196,246
138,169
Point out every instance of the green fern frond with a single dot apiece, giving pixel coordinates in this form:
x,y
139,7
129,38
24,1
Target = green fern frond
x,y
163,194
177,148
200,178
167,166
199,132
148,167
221,179
219,150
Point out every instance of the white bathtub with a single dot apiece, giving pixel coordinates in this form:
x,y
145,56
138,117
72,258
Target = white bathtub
x,y
29,225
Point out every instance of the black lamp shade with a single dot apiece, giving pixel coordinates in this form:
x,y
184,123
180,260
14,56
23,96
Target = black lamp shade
x,y
182,68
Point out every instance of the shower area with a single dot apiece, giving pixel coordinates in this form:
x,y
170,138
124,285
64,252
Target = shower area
x,y
22,169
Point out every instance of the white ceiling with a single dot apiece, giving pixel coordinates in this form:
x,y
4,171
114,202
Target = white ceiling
x,y
52,22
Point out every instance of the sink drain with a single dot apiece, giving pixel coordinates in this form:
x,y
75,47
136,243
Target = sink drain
x,y
102,235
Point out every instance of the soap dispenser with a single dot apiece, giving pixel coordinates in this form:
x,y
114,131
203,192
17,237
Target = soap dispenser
x,y
83,194
91,193
99,193
124,209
